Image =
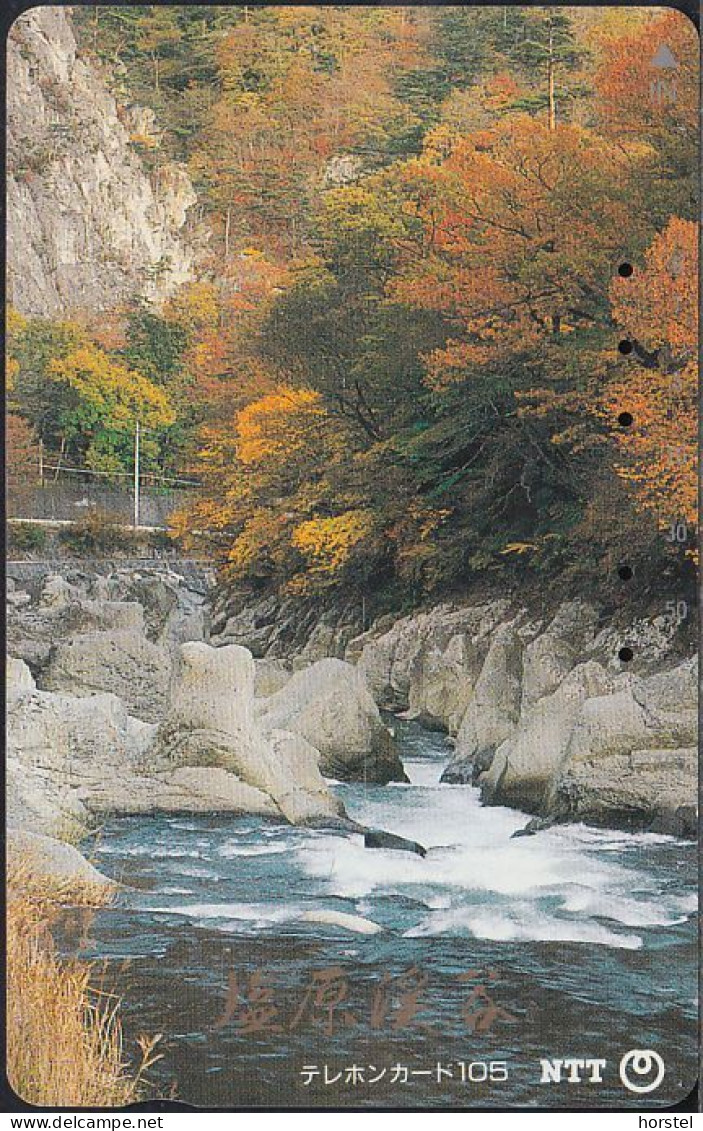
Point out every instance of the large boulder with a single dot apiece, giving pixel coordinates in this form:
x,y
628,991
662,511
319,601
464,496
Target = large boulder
x,y
494,707
211,722
60,748
71,758
523,767
124,662
52,865
188,789
329,705
653,789
631,759
301,792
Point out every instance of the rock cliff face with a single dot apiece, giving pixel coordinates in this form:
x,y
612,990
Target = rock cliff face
x,y
87,225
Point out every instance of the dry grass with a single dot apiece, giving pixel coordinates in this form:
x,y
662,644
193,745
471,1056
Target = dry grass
x,y
65,1044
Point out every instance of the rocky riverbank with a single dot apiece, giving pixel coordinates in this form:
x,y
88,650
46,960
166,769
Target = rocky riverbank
x,y
118,705
121,701
545,716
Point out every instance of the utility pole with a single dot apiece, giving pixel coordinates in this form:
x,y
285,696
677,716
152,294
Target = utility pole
x,y
136,476
551,80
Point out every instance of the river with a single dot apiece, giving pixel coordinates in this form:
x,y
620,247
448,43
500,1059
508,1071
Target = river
x,y
496,953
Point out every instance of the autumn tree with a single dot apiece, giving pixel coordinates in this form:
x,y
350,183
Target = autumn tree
x,y
399,360
270,506
109,401
657,308
524,225
648,97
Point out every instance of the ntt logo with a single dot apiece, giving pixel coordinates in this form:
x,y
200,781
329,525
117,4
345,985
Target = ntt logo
x,y
642,1070
572,1070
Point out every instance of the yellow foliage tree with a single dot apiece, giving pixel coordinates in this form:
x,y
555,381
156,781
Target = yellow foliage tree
x,y
282,433
328,543
110,400
112,393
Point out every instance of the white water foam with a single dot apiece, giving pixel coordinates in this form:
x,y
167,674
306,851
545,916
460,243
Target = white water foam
x,y
527,925
147,850
234,848
560,884
256,915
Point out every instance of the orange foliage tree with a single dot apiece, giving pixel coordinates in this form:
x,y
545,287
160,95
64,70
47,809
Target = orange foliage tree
x,y
524,225
658,309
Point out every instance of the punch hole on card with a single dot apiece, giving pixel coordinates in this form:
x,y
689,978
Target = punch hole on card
x,y
625,420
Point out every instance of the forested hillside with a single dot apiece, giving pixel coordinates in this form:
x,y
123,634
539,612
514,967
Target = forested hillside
x,y
444,327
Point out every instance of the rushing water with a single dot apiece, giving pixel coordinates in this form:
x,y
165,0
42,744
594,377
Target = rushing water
x,y
574,942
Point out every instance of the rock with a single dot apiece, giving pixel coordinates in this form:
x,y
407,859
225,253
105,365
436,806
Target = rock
x,y
57,593
50,862
289,628
377,838
189,789
210,717
442,682
651,640
123,662
174,610
673,689
646,789
536,825
211,722
17,599
549,658
384,662
89,227
329,705
270,676
629,762
524,765
38,800
60,748
18,681
355,923
301,791
63,610
72,758
251,628
494,708
392,658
